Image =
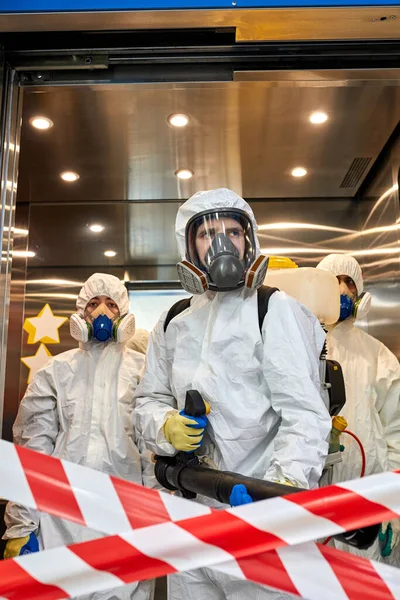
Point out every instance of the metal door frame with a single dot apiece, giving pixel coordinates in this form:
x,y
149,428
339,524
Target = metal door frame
x,y
11,107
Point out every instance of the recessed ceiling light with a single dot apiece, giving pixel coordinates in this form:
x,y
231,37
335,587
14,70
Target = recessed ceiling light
x,y
96,228
110,253
178,120
69,176
41,123
299,172
318,117
184,174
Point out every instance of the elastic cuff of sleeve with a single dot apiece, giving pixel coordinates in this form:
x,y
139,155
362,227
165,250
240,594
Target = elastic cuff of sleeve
x,y
163,445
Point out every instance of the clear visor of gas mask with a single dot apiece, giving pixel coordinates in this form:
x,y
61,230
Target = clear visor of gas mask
x,y
222,232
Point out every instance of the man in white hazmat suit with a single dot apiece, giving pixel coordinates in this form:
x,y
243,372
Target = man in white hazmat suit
x,y
372,381
79,408
267,418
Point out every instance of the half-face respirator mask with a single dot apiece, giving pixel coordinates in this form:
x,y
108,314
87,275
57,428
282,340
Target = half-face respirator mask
x,y
102,325
221,253
357,308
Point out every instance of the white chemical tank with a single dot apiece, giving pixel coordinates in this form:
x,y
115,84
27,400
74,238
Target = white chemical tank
x,y
317,289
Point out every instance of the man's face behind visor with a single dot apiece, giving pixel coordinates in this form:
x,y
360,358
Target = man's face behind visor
x,y
220,231
209,229
221,251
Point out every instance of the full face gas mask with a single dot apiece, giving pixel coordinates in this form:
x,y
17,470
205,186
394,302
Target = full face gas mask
x,y
221,253
102,325
357,307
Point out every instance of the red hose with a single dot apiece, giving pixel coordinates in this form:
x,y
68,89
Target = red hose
x,y
363,457
363,465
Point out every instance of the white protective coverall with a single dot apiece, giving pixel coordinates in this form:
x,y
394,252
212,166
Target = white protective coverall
x,y
79,408
267,420
372,381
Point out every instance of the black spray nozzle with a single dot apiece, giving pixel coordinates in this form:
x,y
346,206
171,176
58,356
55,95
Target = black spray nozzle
x,y
183,472
362,538
191,479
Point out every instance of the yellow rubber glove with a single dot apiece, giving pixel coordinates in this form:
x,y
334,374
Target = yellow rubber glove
x,y
285,482
179,432
13,547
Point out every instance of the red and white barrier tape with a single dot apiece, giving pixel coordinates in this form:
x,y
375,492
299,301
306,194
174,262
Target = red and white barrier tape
x,y
233,541
113,506
309,571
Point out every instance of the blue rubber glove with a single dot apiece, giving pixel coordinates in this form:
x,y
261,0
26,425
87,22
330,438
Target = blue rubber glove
x,y
31,546
239,495
199,423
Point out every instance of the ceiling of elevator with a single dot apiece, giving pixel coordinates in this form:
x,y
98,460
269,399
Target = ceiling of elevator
x,y
243,135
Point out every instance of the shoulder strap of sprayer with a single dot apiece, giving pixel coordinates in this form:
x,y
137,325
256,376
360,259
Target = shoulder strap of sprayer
x,y
175,310
264,294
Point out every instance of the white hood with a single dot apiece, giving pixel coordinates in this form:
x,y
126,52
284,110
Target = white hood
x,y
101,284
209,200
344,264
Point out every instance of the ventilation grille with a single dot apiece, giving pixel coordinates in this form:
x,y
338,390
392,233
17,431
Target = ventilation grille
x,y
355,173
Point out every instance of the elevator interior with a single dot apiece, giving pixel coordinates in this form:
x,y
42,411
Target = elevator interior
x,y
248,135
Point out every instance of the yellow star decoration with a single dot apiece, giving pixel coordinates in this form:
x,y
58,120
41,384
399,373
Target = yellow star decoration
x,y
44,327
36,362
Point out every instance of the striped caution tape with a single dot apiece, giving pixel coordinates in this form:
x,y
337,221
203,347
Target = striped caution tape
x,y
160,534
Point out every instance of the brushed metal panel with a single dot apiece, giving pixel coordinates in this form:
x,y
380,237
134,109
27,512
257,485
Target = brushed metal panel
x,y
380,227
329,77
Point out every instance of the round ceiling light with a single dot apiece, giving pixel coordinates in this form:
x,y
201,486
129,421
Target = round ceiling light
x,y
299,172
42,123
110,253
178,120
96,228
69,176
184,174
318,117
